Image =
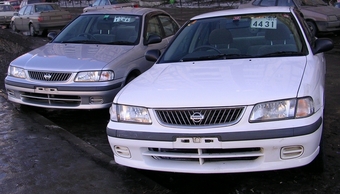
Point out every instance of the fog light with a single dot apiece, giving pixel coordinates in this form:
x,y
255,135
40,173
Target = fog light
x,y
10,92
96,100
290,152
122,151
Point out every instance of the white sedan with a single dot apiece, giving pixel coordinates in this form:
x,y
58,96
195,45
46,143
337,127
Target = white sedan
x,y
235,91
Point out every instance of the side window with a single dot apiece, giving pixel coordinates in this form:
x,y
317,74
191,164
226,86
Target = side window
x,y
268,3
285,3
153,27
169,25
104,2
28,10
21,11
96,3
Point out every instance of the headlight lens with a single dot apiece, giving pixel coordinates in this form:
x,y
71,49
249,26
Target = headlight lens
x,y
16,72
94,76
332,18
283,109
124,113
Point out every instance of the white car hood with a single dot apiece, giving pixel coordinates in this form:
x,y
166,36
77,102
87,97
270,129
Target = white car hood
x,y
215,83
70,57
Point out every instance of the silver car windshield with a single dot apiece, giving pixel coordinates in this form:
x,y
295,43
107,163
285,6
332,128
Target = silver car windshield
x,y
102,29
237,36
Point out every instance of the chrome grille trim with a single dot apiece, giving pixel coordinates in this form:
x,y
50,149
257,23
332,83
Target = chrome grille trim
x,y
49,76
51,99
200,117
202,156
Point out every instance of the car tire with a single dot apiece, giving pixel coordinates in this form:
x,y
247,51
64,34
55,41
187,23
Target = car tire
x,y
32,30
312,27
14,27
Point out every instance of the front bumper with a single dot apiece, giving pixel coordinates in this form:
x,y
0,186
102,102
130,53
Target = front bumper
x,y
217,152
5,20
331,26
60,96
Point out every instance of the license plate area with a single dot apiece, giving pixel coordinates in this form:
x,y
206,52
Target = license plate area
x,y
46,90
197,142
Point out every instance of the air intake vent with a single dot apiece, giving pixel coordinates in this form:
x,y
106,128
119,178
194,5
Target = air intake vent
x,y
200,116
48,76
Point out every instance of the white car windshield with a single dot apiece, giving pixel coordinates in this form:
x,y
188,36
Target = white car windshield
x,y
102,29
237,36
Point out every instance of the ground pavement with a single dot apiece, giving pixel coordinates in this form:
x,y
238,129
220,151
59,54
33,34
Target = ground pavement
x,y
36,156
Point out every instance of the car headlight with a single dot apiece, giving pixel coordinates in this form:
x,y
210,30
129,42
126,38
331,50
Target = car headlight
x,y
282,109
134,114
94,76
16,72
332,18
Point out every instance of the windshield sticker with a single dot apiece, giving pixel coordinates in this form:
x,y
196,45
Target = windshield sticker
x,y
122,19
237,18
266,22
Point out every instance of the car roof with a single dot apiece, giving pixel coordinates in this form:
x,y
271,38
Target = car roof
x,y
124,10
41,3
250,10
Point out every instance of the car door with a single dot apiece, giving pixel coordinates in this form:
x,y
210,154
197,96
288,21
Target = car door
x,y
18,19
25,18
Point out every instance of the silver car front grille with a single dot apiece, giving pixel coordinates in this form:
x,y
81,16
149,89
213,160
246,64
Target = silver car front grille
x,y
49,76
196,117
51,99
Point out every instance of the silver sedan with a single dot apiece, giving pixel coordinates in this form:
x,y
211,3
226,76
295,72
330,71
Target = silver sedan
x,y
38,18
90,60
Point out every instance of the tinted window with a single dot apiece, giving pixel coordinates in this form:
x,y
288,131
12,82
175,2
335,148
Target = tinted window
x,y
274,3
6,8
238,36
28,10
21,11
169,25
154,27
102,29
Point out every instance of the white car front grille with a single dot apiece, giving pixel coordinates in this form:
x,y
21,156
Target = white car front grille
x,y
197,117
202,156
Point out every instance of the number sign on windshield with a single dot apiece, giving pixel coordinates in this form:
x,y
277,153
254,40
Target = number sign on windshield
x,y
122,19
267,23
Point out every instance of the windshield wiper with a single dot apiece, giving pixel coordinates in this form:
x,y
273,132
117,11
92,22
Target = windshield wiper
x,y
121,42
282,53
214,57
83,41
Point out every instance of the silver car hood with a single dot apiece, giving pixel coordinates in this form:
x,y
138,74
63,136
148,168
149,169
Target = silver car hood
x,y
70,57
